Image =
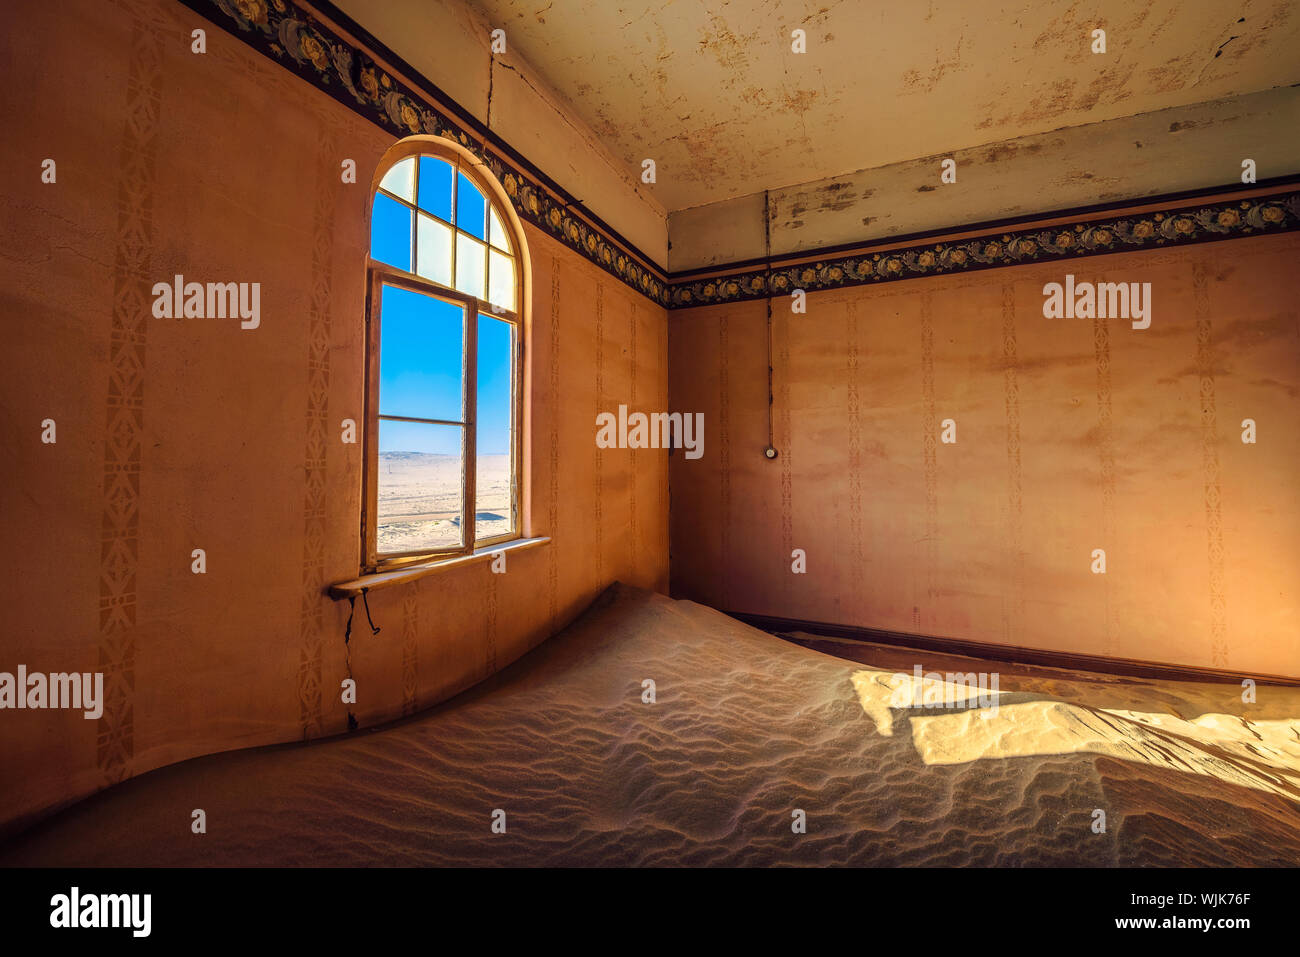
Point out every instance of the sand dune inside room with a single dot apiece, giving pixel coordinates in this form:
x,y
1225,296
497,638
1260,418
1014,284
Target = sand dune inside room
x,y
711,772
599,438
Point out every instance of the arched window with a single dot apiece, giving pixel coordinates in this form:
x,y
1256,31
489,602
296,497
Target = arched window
x,y
444,357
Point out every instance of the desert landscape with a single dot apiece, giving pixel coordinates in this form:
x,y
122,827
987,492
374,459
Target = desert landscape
x,y
420,500
745,729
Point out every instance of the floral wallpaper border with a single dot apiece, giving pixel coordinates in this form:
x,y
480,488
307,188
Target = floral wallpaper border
x,y
294,37
1224,219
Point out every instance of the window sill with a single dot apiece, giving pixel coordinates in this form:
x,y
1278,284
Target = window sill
x,y
355,586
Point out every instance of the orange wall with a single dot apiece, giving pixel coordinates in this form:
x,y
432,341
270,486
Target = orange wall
x,y
224,167
1071,435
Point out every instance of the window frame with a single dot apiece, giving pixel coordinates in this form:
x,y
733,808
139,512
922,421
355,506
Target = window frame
x,y
379,274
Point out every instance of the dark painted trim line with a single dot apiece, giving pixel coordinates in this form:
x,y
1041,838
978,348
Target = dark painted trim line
x,y
305,38
988,225
1075,661
1263,212
308,43
383,51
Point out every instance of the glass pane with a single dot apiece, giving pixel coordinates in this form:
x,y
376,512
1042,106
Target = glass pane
x,y
501,276
497,232
471,266
471,208
420,355
435,187
390,232
419,489
400,179
495,418
433,250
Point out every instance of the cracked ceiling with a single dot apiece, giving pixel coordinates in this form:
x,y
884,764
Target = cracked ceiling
x,y
713,93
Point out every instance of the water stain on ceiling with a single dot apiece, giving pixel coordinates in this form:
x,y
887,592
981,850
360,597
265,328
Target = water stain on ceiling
x,y
715,95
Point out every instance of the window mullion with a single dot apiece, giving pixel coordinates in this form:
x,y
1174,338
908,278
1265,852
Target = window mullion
x,y
455,198
470,379
416,418
415,216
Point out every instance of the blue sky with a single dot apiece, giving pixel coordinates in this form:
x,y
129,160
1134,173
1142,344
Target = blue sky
x,y
419,374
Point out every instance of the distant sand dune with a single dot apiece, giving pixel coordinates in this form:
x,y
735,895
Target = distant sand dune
x,y
420,499
747,727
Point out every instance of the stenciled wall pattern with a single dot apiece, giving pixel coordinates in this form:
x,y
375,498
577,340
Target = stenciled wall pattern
x,y
183,434
1065,436
1208,222
297,39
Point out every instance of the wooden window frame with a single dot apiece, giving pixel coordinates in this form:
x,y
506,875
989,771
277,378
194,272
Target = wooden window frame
x,y
378,275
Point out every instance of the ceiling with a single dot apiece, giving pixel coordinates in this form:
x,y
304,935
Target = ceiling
x,y
713,93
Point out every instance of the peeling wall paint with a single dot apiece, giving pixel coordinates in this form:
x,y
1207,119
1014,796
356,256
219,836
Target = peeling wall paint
x,y
449,43
1187,148
181,434
715,95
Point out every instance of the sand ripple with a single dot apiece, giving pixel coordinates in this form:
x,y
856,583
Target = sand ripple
x,y
746,728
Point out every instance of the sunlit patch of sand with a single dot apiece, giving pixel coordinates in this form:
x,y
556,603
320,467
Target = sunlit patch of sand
x,y
880,692
1260,753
